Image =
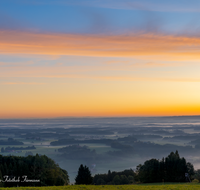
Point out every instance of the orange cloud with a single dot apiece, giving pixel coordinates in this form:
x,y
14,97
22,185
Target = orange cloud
x,y
80,72
156,46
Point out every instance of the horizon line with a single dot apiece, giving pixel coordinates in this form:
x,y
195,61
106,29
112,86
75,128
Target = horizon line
x,y
97,117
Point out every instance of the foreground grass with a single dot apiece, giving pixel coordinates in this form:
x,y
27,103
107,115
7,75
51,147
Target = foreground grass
x,y
159,186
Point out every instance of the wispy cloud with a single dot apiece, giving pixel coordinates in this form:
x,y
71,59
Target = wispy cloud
x,y
82,72
15,64
22,83
155,46
109,78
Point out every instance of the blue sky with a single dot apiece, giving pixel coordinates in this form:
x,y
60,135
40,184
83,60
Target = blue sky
x,y
108,16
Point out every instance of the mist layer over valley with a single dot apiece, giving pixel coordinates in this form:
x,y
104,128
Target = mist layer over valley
x,y
102,144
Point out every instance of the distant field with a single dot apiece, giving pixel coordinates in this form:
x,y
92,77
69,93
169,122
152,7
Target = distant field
x,y
184,186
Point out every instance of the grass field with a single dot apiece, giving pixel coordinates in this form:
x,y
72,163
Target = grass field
x,y
175,186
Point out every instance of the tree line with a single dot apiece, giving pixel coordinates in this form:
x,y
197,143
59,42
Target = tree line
x,y
170,169
115,178
47,173
7,149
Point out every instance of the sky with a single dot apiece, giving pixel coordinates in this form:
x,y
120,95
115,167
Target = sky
x,y
99,58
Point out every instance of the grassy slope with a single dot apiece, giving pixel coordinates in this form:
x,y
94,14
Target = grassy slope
x,y
183,186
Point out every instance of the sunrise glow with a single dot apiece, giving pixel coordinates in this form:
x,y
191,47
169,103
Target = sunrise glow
x,y
74,65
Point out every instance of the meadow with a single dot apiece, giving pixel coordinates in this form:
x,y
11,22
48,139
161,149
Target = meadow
x,y
158,186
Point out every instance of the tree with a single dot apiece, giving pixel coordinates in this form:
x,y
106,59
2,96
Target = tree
x,y
190,169
117,180
100,181
84,176
131,179
149,172
175,167
124,179
1,184
109,176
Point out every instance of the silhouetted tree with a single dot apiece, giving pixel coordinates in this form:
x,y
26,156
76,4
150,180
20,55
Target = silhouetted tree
x,y
84,176
150,171
175,167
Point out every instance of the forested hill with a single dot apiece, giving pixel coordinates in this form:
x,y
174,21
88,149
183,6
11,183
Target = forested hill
x,y
31,171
